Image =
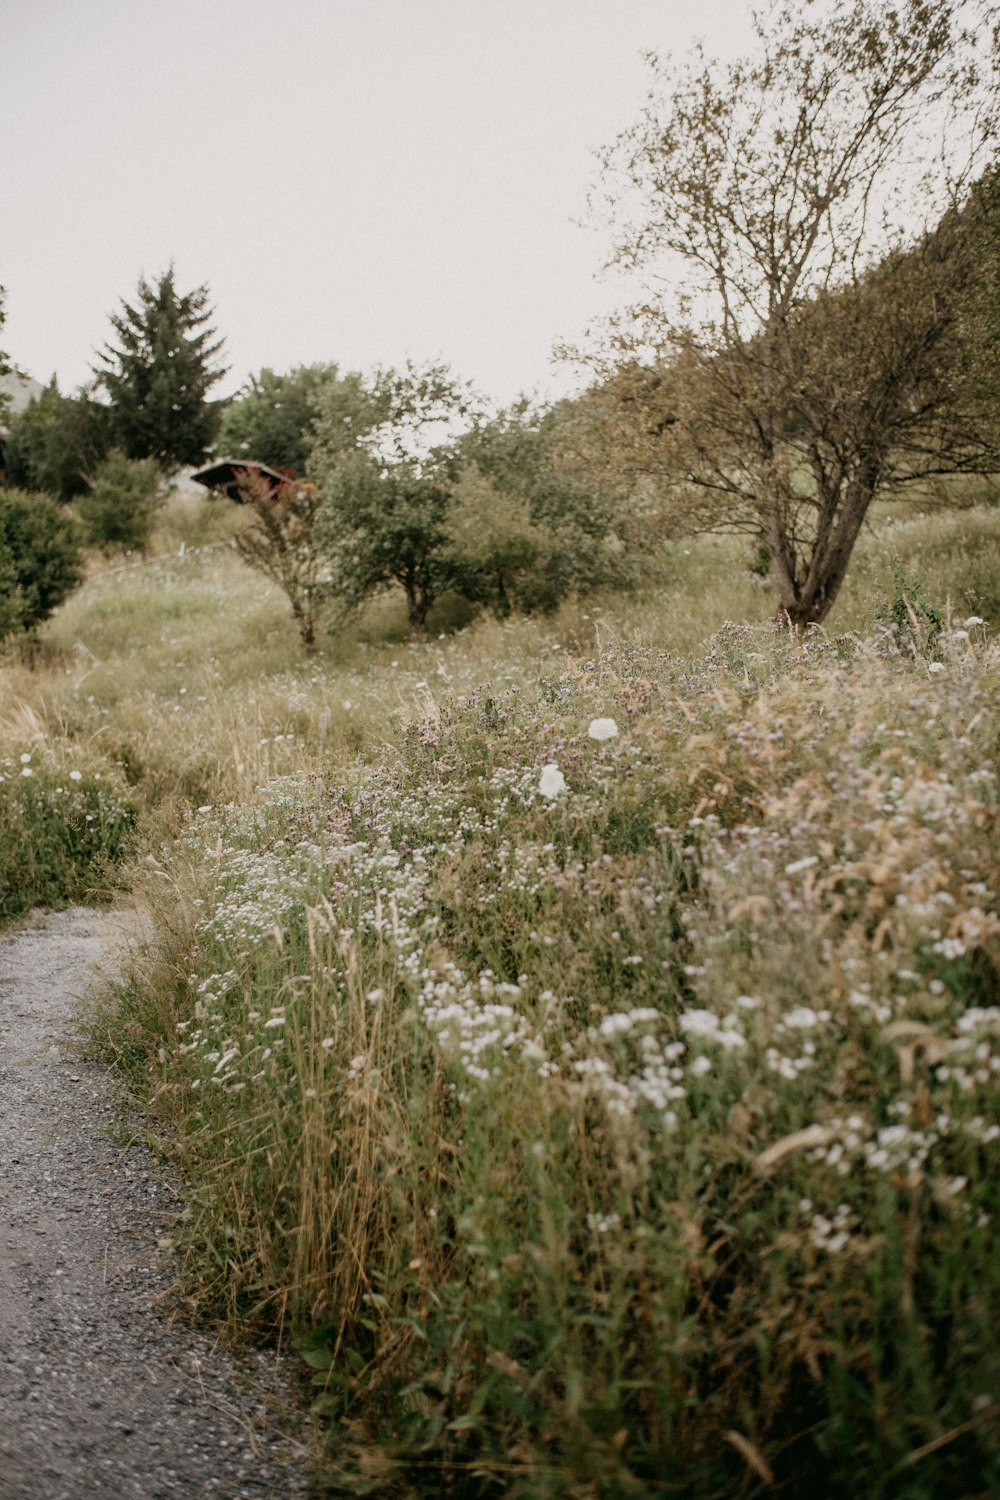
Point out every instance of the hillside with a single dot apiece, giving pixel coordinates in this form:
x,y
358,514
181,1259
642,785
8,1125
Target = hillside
x,y
578,1036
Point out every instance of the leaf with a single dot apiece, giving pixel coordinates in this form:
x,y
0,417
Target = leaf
x,y
813,1135
752,1455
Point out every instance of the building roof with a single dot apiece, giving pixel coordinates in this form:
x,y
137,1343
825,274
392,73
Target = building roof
x,y
227,474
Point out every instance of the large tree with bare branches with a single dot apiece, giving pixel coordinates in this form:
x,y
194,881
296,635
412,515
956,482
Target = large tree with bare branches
x,y
802,228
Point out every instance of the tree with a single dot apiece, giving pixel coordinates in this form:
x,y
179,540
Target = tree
x,y
40,560
525,531
807,365
272,419
384,524
378,459
160,372
57,442
118,509
979,318
280,541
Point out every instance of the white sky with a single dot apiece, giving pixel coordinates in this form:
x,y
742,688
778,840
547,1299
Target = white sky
x,y
356,180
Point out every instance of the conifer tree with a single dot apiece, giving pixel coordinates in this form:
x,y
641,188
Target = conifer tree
x,y
160,371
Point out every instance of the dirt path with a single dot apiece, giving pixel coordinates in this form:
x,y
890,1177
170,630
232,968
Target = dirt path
x,y
101,1398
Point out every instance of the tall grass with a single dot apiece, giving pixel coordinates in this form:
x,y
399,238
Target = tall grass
x,y
632,1140
633,1137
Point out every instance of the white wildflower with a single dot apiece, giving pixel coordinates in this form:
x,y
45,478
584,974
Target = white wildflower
x,y
802,1017
935,666
698,1022
552,781
76,775
602,729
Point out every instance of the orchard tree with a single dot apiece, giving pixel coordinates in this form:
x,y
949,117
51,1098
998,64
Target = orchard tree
x,y
159,372
378,459
280,540
793,218
385,525
272,418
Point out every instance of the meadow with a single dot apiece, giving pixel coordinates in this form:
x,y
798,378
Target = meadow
x,y
578,1036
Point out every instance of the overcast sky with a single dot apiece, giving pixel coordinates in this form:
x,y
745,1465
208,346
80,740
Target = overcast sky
x,y
359,181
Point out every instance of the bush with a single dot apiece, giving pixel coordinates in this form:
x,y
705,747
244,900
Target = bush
x,y
40,559
119,508
57,442
64,824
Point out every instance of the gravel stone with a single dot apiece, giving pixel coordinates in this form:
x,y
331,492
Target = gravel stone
x,y
102,1396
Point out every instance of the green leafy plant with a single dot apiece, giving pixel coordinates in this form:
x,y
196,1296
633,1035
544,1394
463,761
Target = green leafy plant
x,y
119,508
65,822
40,559
916,624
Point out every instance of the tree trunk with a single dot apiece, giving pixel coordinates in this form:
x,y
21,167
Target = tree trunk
x,y
418,604
808,600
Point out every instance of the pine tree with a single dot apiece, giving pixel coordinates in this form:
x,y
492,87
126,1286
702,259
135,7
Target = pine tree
x,y
159,374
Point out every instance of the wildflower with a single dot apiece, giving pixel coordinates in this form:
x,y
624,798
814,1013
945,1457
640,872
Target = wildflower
x,y
803,1016
602,729
975,620
552,781
25,759
935,666
76,775
26,771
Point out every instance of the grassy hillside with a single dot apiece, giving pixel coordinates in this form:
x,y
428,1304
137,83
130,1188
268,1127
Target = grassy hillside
x,y
579,1037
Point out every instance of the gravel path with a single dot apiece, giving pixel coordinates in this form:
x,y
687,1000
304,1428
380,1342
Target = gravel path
x,y
100,1397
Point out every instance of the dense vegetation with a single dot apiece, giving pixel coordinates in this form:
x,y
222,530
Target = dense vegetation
x,y
572,1002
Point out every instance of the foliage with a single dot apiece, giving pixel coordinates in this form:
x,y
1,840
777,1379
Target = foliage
x,y
40,561
916,624
523,533
271,419
638,1135
65,822
57,442
119,508
280,541
386,489
979,314
809,363
395,416
159,372
385,525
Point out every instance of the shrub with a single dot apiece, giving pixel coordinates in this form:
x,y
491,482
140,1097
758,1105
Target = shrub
x,y
40,559
65,821
280,541
119,508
